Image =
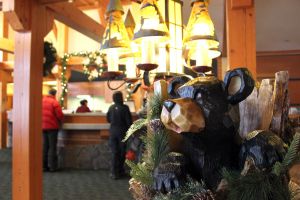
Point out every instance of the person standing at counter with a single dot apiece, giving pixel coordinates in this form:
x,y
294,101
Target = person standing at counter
x,y
52,118
83,108
120,120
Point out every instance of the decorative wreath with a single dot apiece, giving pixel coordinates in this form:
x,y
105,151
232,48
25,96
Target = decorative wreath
x,y
50,58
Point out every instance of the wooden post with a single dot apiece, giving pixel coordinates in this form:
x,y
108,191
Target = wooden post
x,y
241,41
31,22
5,35
3,100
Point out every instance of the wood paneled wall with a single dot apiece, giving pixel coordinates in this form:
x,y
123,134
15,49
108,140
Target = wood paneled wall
x,y
268,63
95,89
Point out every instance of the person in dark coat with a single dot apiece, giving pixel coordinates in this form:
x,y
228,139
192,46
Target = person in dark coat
x,y
120,120
83,108
52,117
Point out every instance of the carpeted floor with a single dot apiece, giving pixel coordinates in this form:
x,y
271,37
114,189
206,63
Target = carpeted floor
x,y
69,184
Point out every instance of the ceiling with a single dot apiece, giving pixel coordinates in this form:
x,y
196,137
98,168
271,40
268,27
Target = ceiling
x,y
277,25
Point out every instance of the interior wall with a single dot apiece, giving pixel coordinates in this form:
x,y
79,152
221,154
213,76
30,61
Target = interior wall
x,y
268,63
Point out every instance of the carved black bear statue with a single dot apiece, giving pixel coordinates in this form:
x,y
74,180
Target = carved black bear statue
x,y
199,110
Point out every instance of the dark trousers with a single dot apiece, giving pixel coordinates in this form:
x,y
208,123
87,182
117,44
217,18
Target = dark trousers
x,y
118,149
49,149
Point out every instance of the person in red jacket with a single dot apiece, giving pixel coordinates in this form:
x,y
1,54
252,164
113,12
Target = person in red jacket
x,y
83,108
52,118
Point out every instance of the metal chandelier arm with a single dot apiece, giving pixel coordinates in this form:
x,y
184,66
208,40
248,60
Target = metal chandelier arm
x,y
116,88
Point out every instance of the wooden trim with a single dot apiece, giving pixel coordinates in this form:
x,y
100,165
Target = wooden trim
x,y
278,53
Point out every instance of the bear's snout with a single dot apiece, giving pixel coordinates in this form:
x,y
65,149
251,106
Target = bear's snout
x,y
169,105
182,115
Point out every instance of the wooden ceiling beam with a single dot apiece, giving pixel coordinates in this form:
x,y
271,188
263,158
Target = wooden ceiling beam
x,y
7,45
76,19
7,66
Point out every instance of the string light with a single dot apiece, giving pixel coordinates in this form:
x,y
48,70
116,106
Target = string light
x,y
96,60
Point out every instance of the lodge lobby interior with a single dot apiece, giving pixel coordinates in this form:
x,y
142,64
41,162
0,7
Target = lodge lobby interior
x,y
69,45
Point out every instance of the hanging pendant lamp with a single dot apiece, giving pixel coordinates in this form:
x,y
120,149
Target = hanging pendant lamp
x,y
152,34
115,39
200,41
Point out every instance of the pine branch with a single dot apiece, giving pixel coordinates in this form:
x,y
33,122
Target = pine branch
x,y
292,153
137,125
256,185
140,173
185,192
291,156
155,107
159,147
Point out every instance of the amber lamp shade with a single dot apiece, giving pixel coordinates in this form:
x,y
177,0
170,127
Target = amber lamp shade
x,y
200,39
115,39
152,34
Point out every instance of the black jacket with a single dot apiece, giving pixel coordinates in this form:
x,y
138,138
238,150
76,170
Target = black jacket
x,y
119,118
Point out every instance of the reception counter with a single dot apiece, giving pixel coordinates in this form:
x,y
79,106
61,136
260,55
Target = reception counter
x,y
84,129
83,141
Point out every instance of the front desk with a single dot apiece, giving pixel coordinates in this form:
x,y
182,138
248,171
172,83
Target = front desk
x,y
83,141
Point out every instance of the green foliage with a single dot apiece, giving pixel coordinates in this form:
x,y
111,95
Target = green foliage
x,y
155,107
185,192
157,147
137,125
256,185
291,156
140,172
292,153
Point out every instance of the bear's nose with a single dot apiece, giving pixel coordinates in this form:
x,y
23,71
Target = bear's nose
x,y
169,105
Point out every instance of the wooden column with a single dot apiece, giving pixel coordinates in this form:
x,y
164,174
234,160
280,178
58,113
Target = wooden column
x,y
3,102
241,40
6,35
31,22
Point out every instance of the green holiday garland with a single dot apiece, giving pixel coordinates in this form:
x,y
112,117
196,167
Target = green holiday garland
x,y
92,59
95,59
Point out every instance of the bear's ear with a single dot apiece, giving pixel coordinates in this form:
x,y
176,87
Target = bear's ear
x,y
175,83
239,85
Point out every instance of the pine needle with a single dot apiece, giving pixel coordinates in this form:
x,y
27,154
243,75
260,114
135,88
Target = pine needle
x,y
256,185
140,173
155,106
137,125
291,156
292,153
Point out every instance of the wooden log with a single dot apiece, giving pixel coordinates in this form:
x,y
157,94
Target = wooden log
x,y
265,104
266,108
249,114
281,103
